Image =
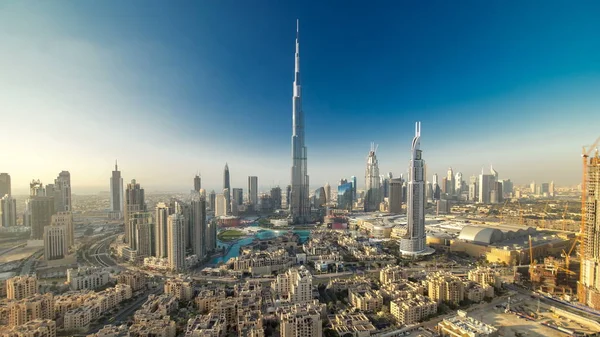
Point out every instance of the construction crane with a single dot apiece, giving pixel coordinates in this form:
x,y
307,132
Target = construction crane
x,y
585,154
530,253
567,256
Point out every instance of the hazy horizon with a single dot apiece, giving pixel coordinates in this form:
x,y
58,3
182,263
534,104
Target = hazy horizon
x,y
172,90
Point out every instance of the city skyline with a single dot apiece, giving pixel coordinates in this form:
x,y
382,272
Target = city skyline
x,y
481,102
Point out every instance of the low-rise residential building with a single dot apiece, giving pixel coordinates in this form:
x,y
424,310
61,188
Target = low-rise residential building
x,y
20,287
112,331
182,289
485,275
79,318
295,285
445,287
476,292
30,308
136,280
157,263
33,328
390,274
206,299
79,308
351,324
463,326
156,307
160,327
262,262
368,301
412,308
343,284
87,278
210,325
300,320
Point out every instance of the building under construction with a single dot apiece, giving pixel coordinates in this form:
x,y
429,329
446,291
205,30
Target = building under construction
x,y
553,276
588,289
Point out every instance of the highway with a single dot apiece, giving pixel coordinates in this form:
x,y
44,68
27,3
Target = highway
x,y
100,255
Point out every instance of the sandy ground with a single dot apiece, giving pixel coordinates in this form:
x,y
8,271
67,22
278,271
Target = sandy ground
x,y
18,254
509,324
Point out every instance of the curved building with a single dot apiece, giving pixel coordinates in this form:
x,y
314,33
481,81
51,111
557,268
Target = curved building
x,y
482,235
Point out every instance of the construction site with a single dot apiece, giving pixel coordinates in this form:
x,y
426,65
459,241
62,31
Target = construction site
x,y
576,271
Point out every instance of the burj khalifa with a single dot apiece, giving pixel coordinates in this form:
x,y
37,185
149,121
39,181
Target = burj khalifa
x,y
413,243
299,201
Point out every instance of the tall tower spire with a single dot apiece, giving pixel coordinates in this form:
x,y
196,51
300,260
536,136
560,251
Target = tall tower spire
x,y
299,201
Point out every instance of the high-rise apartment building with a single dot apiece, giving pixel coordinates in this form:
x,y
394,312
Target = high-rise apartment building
x,y
62,192
41,209
372,182
437,191
20,287
395,195
220,205
65,219
253,190
299,199
176,241
143,240
5,187
199,226
55,242
459,183
211,236
161,220
8,211
413,243
588,288
533,188
276,197
134,202
116,194
354,187
238,196
197,183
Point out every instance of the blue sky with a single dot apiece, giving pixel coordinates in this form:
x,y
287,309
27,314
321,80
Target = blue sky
x,y
170,88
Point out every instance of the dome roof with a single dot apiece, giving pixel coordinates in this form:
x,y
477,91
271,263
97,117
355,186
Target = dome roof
x,y
483,235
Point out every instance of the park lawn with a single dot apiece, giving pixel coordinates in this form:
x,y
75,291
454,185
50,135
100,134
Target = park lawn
x,y
230,235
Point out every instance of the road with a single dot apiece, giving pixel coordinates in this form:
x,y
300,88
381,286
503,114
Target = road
x,y
99,253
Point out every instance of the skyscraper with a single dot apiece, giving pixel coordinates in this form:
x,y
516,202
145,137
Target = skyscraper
x,y
413,243
450,182
41,210
253,190
299,201
5,187
160,220
198,220
437,192
8,211
372,182
395,195
65,219
197,183
238,196
227,185
344,195
221,205
486,185
62,192
55,242
211,200
134,202
588,288
176,241
144,230
276,197
327,193
116,194
459,183
353,182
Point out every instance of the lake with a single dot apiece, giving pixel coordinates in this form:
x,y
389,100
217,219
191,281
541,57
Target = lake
x,y
265,234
